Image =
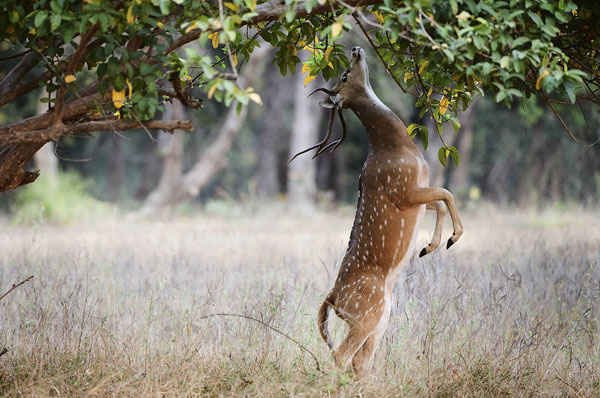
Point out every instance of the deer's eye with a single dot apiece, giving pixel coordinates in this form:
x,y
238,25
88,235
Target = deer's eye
x,y
344,78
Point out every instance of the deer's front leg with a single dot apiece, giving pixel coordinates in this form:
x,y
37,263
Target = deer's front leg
x,y
440,209
422,196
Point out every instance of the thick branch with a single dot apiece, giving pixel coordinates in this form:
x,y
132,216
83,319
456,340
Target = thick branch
x,y
71,110
52,134
11,80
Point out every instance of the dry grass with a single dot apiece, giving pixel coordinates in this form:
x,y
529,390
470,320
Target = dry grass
x,y
117,309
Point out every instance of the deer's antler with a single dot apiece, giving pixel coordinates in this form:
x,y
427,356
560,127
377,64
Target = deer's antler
x,y
337,142
322,143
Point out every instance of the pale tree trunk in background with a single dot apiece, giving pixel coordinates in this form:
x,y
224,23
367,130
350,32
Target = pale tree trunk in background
x,y
276,101
45,159
185,186
171,152
302,172
459,180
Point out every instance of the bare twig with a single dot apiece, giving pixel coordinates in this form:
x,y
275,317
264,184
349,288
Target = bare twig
x,y
560,119
13,287
273,329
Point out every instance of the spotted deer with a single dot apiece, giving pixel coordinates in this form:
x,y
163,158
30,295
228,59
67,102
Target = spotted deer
x,y
393,196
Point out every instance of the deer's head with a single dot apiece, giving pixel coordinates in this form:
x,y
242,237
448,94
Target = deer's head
x,y
352,86
353,83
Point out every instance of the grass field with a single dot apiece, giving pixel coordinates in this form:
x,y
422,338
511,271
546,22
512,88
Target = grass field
x,y
119,309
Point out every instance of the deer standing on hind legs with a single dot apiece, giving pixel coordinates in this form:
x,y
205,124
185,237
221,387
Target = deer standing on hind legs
x,y
393,196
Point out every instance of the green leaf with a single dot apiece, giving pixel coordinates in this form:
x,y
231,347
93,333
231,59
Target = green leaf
x,y
504,62
454,154
535,18
424,133
55,21
570,91
411,129
40,18
443,156
164,6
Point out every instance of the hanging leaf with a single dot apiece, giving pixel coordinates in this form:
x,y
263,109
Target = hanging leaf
x,y
118,98
443,105
70,78
539,79
130,17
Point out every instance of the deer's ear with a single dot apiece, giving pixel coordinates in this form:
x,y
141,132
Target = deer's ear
x,y
332,101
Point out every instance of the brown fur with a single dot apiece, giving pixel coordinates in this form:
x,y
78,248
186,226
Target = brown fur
x,y
393,195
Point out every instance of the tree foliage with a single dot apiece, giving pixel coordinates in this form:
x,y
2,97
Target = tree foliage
x,y
112,65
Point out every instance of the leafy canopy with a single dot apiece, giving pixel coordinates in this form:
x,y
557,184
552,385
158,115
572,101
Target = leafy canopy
x,y
444,52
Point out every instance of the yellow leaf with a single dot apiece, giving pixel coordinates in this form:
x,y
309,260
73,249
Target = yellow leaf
x,y
255,97
336,29
215,39
305,68
316,40
118,114
430,91
70,78
130,17
234,56
295,51
444,106
308,79
118,97
189,28
327,53
95,115
32,31
211,91
408,76
301,44
159,24
11,29
130,87
330,65
378,15
232,7
423,65
539,79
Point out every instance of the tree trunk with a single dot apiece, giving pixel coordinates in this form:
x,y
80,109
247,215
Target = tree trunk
x,y
301,173
185,186
271,137
171,152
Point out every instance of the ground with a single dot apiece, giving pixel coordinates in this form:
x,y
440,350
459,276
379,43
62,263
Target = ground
x,y
119,309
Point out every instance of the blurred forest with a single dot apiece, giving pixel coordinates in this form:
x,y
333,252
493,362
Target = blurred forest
x,y
519,156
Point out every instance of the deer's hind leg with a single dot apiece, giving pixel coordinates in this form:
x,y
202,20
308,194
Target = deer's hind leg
x,y
440,210
363,357
366,323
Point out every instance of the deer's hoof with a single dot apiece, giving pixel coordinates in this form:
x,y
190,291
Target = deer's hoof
x,y
423,252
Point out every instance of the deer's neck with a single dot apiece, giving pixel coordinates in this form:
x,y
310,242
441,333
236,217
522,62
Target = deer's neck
x,y
385,130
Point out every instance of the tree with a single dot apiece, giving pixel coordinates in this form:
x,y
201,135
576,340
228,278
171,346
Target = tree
x,y
113,65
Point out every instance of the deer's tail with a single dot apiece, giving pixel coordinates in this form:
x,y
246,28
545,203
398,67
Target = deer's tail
x,y
322,320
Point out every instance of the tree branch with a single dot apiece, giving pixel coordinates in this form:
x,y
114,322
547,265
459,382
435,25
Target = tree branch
x,y
52,134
